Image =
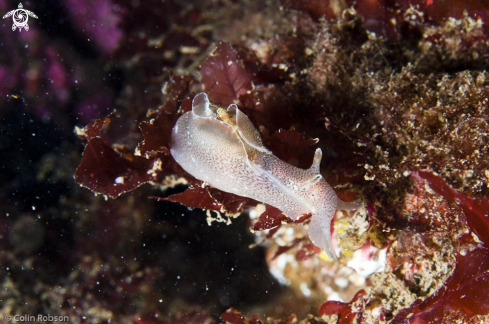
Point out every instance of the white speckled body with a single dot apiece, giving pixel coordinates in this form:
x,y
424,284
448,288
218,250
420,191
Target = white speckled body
x,y
230,156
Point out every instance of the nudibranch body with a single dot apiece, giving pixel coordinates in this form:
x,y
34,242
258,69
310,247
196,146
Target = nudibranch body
x,y
223,148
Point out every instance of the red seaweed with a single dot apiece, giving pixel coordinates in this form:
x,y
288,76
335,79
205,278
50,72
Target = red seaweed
x,y
157,134
462,296
476,210
211,198
177,94
195,197
345,312
271,217
224,77
232,316
107,172
94,128
232,203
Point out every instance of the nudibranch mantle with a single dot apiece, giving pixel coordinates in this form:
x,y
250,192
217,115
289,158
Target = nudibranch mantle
x,y
223,148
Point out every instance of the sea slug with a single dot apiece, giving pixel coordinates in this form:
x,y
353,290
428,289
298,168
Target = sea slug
x,y
223,148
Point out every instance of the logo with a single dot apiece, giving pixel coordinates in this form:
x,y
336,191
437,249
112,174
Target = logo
x,y
20,17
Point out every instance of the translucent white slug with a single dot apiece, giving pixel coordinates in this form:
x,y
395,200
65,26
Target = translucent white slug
x,y
223,148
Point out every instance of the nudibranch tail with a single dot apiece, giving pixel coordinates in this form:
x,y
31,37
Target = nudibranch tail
x,y
320,233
